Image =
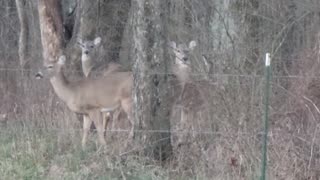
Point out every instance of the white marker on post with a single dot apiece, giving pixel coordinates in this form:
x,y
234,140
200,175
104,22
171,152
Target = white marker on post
x,y
268,60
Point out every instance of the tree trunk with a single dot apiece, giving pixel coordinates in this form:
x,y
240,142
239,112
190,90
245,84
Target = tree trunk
x,y
89,19
125,51
51,27
151,110
24,28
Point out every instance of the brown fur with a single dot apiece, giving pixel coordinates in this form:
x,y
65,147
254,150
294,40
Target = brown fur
x,y
92,96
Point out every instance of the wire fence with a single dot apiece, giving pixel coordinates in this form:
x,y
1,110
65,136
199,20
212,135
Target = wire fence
x,y
212,75
253,95
254,135
212,78
231,119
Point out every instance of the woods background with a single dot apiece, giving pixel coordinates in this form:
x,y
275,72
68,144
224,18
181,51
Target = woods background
x,y
215,132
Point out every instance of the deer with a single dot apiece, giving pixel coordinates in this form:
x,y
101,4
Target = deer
x,y
90,97
193,97
88,48
182,66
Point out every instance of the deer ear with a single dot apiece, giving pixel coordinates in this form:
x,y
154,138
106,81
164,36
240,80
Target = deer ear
x,y
97,41
173,44
79,41
192,44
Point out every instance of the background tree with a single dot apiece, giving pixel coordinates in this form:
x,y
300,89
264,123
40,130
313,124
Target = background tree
x,y
220,138
149,58
51,26
24,28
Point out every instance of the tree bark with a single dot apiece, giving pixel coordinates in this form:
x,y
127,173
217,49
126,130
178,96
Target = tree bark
x,y
89,19
24,28
51,27
125,51
151,110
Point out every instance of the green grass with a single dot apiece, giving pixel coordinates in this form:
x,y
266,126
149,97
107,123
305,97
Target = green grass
x,y
45,154
34,153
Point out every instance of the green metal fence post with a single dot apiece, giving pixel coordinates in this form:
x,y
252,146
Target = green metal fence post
x,y
266,118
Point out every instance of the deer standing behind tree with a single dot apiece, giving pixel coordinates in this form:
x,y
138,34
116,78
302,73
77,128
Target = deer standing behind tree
x,y
90,97
89,63
182,66
193,95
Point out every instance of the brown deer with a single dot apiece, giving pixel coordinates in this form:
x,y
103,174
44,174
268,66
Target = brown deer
x,y
90,97
87,57
182,65
88,48
192,101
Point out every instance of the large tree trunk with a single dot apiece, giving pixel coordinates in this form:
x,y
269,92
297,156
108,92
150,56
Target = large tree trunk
x,y
125,51
88,19
24,28
151,110
51,27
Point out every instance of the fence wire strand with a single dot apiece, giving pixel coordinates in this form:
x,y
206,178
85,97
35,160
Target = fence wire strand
x,y
258,134
192,74
194,132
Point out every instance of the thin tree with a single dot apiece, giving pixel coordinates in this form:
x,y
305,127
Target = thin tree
x,y
24,28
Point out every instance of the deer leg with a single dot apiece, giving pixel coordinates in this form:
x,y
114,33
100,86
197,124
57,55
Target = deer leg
x,y
106,118
86,127
97,120
126,105
182,92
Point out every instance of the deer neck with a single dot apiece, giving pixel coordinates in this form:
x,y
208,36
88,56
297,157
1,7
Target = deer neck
x,y
61,86
86,64
182,71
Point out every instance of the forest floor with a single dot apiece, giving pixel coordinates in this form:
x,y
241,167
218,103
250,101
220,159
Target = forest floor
x,y
30,153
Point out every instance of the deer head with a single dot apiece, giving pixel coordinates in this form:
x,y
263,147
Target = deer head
x,y
182,52
88,48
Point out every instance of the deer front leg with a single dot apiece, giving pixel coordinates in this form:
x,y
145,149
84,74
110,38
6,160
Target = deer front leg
x,y
86,128
96,117
127,107
181,93
106,116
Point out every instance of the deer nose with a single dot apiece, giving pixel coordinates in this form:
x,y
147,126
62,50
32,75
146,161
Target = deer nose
x,y
86,52
185,59
39,75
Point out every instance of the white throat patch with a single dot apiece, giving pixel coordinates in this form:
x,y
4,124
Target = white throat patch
x,y
84,57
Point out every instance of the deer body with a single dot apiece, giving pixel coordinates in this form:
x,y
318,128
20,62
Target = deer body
x,y
90,97
84,95
88,48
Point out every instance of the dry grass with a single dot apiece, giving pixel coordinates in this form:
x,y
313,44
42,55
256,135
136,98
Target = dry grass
x,y
29,153
219,140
